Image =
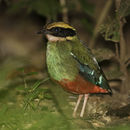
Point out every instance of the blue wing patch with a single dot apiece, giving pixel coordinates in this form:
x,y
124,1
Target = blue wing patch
x,y
98,79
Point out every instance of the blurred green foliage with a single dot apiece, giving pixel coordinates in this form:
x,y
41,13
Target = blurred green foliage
x,y
46,8
87,7
51,9
13,117
124,9
117,127
110,29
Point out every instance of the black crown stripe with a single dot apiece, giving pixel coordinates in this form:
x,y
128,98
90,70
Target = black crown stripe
x,y
62,32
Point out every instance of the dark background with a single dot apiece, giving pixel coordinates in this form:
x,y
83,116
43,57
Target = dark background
x,y
103,25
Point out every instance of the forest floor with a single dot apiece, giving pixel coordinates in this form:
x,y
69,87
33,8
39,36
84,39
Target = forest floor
x,y
33,105
26,103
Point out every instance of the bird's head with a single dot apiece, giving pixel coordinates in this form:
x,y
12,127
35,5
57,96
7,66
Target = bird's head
x,y
58,31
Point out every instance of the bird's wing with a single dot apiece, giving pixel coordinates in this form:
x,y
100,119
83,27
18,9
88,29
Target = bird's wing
x,y
88,66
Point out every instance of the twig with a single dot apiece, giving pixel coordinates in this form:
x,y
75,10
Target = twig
x,y
24,80
100,21
122,42
127,62
64,10
117,50
39,82
122,49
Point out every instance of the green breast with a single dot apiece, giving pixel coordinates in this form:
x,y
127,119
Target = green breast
x,y
60,64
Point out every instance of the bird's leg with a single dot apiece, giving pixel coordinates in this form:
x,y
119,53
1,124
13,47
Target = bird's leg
x,y
77,104
84,104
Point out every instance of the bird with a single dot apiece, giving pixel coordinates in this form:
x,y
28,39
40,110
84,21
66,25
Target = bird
x,y
71,63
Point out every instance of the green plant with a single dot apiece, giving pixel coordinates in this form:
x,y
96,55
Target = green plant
x,y
45,8
112,30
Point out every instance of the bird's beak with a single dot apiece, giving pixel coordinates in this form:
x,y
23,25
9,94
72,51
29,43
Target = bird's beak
x,y
42,31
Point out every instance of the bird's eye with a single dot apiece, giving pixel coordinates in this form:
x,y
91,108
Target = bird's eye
x,y
56,29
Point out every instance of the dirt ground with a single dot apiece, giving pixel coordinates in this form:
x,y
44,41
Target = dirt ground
x,y
26,105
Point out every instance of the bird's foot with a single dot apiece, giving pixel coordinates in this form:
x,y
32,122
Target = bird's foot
x,y
77,104
84,104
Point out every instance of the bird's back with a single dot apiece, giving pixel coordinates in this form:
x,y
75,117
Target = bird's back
x,y
89,68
